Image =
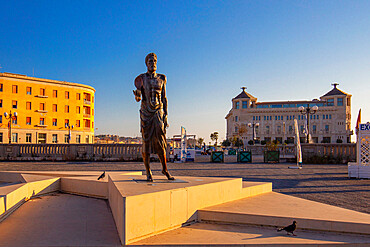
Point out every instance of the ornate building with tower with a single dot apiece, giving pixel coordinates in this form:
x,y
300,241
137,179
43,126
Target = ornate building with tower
x,y
330,123
36,110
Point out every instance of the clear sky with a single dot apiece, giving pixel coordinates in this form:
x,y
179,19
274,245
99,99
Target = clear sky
x,y
279,50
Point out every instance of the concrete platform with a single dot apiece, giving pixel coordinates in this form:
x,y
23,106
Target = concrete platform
x,y
275,209
144,209
141,210
19,186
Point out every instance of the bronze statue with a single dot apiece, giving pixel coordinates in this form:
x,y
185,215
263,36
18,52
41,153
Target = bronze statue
x,y
151,90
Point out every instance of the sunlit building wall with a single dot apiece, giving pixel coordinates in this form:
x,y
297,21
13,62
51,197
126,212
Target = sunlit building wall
x,y
44,108
330,124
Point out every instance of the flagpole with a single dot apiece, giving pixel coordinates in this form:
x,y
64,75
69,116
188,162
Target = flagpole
x,y
298,147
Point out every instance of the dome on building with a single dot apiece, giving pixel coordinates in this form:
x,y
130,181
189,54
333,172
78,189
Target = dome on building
x,y
244,95
335,91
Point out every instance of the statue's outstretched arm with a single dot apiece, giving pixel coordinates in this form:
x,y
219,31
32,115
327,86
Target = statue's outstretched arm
x,y
164,101
138,85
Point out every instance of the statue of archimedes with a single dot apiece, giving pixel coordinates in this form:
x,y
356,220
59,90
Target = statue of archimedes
x,y
151,90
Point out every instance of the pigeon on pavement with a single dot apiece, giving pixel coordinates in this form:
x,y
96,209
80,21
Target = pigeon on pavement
x,y
289,229
102,176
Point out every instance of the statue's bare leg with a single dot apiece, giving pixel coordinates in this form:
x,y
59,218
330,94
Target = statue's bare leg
x,y
146,159
162,157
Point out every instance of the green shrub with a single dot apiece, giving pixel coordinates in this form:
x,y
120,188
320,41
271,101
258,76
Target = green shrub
x,y
325,159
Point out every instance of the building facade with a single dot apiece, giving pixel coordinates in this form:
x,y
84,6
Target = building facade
x,y
46,110
331,123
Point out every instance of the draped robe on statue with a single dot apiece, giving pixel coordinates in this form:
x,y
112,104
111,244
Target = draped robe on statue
x,y
153,111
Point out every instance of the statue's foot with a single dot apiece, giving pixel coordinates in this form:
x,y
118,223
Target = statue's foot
x,y
149,178
168,175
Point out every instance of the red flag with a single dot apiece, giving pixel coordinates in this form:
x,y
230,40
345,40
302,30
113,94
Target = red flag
x,y
358,121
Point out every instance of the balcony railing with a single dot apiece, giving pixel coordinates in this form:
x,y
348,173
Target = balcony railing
x,y
87,115
41,96
87,102
41,125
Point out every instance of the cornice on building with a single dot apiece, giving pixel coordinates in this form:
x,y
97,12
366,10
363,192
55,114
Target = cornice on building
x,y
229,114
25,77
291,102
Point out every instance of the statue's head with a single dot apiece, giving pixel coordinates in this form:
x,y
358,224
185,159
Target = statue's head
x,y
151,62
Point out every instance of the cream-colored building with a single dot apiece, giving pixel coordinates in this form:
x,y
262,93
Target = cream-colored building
x,y
44,108
331,123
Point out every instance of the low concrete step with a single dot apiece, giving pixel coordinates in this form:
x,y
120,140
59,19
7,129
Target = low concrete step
x,y
275,209
203,234
255,188
14,195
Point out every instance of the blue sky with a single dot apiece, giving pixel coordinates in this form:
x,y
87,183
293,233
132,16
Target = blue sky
x,y
279,50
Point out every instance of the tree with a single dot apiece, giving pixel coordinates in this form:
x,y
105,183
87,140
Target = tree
x,y
226,143
272,146
242,130
200,141
237,142
214,137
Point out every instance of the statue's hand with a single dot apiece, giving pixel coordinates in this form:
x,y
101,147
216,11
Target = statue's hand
x,y
165,121
137,94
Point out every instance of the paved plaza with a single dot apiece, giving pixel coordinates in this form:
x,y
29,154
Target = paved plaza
x,y
227,210
72,220
60,220
322,183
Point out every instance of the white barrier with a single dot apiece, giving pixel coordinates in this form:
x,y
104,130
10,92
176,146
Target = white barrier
x,y
361,169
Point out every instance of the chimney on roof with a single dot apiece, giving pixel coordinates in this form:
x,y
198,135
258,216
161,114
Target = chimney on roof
x,y
335,84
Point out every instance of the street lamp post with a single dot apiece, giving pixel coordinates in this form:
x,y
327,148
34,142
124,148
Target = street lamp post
x,y
10,116
253,126
307,111
69,127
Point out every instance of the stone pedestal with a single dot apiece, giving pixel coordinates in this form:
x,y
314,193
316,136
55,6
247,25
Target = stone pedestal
x,y
141,209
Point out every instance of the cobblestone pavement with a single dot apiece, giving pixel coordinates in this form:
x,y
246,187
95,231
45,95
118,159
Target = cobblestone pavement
x,y
323,183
